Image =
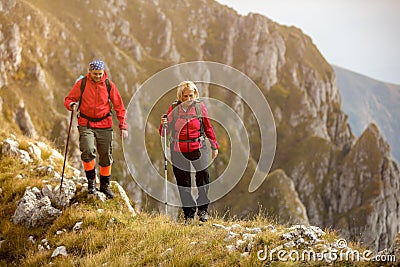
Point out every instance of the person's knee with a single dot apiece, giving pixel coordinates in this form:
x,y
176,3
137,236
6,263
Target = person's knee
x,y
88,154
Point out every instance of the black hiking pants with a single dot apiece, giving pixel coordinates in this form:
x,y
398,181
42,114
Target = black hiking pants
x,y
182,170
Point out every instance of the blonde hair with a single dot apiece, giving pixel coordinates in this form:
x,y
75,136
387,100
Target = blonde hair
x,y
184,86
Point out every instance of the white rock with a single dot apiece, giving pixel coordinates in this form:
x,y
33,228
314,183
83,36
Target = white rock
x,y
47,190
254,230
31,239
230,248
34,210
77,226
24,157
239,243
60,232
219,226
249,236
288,236
230,235
167,252
10,147
236,226
289,244
35,152
75,171
124,197
62,250
45,244
270,228
63,198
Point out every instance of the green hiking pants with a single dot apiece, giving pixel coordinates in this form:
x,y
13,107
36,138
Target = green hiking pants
x,y
92,140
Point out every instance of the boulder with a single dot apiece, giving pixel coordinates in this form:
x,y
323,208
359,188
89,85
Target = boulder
x,y
35,210
10,149
62,198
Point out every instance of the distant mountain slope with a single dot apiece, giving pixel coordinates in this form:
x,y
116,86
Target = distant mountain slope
x,y
366,100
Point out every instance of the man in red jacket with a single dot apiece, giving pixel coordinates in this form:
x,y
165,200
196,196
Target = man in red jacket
x,y
95,123
188,131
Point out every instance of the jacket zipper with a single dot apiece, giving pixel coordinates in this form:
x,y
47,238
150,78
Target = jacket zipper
x,y
187,130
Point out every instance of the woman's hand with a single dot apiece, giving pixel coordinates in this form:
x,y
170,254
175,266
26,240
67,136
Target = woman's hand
x,y
214,153
164,119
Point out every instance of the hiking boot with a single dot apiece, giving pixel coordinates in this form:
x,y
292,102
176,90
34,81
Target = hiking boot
x,y
92,186
105,186
91,177
203,215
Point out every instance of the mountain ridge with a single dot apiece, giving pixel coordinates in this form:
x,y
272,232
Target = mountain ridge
x,y
368,100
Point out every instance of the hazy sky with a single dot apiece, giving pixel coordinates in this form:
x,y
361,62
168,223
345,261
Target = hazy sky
x,y
360,35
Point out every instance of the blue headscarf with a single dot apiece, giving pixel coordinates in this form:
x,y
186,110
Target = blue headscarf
x,y
96,65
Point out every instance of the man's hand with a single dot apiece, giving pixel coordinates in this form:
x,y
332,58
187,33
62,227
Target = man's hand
x,y
124,134
73,106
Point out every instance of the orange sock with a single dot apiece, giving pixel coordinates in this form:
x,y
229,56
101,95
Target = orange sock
x,y
88,166
105,171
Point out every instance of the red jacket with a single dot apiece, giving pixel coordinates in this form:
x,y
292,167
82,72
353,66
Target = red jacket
x,y
94,102
189,128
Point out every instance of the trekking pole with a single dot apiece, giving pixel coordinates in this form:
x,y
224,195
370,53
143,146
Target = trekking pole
x,y
66,145
165,165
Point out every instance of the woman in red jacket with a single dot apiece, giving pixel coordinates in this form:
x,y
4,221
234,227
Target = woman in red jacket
x,y
188,131
95,122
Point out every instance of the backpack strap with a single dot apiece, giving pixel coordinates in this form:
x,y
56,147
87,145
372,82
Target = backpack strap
x,y
108,87
83,85
199,113
109,99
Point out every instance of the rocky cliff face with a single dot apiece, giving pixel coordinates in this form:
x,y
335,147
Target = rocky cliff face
x,y
374,204
337,181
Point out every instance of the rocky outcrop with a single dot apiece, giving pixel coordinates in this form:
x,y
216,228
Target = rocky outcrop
x,y
369,191
10,148
11,48
35,210
40,207
279,198
24,122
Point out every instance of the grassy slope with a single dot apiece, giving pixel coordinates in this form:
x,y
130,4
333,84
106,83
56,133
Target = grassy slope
x,y
115,238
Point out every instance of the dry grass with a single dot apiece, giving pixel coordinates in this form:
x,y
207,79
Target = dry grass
x,y
110,236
